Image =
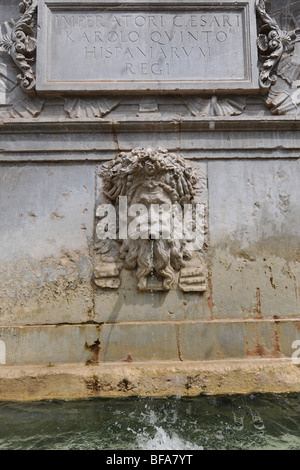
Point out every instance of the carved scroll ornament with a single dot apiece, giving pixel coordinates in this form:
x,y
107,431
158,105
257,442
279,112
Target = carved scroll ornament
x,y
18,39
280,54
272,44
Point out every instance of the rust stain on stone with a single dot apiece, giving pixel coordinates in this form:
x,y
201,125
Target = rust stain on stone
x,y
211,307
95,385
125,385
272,282
260,350
129,357
56,216
257,310
272,278
178,343
276,344
95,350
198,382
210,296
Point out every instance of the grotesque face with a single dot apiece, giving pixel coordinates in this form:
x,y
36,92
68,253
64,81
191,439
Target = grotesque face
x,y
153,205
153,181
151,246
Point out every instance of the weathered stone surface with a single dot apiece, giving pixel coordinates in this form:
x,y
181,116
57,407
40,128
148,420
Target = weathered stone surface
x,y
262,197
198,340
46,217
129,305
154,380
256,282
237,340
134,342
255,248
49,345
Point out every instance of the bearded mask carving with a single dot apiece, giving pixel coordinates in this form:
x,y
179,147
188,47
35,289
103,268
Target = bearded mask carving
x,y
157,185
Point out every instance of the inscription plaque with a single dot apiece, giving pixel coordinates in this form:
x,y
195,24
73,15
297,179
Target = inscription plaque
x,y
138,46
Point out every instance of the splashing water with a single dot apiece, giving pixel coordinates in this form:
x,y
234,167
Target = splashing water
x,y
164,441
212,423
161,439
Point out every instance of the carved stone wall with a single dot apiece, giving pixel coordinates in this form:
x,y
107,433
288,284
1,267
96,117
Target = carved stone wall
x,y
69,295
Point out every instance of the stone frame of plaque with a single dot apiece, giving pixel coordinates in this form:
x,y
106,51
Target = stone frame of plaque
x,y
167,47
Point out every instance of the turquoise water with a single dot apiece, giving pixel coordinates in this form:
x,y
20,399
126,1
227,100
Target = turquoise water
x,y
209,423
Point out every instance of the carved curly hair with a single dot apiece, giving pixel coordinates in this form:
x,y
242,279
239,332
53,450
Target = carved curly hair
x,y
127,171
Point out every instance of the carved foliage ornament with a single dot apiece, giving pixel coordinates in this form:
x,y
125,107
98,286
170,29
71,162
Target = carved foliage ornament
x,y
18,39
272,44
280,53
148,178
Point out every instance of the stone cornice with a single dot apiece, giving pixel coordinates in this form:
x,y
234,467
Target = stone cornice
x,y
153,124
45,141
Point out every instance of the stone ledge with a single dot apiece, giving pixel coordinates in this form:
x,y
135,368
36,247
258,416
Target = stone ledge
x,y
159,379
95,142
147,342
146,123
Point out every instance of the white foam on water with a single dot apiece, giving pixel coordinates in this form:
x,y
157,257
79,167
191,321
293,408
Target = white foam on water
x,y
163,441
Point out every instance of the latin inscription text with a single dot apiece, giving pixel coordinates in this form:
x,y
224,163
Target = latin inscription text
x,y
133,46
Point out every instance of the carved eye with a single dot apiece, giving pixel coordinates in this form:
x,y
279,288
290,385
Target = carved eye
x,y
262,42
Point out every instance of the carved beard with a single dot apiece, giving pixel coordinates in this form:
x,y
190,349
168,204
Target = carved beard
x,y
161,256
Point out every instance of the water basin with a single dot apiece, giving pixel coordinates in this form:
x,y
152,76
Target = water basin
x,y
263,422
